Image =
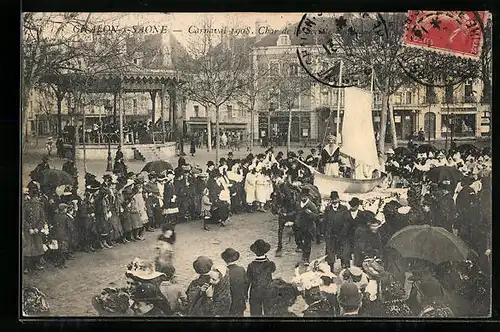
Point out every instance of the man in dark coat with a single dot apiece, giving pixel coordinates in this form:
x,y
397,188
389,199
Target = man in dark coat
x,y
333,226
351,220
119,153
33,223
170,197
238,282
307,215
444,208
468,210
70,168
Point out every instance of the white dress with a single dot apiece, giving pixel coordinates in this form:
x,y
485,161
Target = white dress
x,y
262,188
269,187
225,194
250,187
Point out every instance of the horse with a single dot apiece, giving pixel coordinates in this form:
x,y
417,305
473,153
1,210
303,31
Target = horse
x,y
284,200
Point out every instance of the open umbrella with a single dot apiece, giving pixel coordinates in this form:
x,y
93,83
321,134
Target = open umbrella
x,y
426,148
442,173
158,166
54,177
402,151
466,149
433,244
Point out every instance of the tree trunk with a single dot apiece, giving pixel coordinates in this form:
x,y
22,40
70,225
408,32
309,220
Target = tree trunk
x,y
24,115
153,107
392,123
288,135
59,114
252,116
83,137
486,93
217,134
209,133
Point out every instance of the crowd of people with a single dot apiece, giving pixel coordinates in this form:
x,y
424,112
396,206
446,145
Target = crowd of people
x,y
124,207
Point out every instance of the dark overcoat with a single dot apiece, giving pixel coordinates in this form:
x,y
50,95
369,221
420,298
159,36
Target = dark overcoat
x,y
333,227
238,282
33,217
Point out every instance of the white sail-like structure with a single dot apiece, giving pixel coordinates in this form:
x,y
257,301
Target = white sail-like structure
x,y
358,137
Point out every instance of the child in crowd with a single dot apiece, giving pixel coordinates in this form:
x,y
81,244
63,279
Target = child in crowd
x,y
165,245
237,281
206,207
259,275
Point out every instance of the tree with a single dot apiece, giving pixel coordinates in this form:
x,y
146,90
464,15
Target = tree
x,y
51,47
256,84
214,75
287,84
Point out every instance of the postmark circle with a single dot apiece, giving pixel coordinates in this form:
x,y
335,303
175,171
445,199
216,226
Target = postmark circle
x,y
320,51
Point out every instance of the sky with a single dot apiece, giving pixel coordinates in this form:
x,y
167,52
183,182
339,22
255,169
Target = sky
x,y
180,23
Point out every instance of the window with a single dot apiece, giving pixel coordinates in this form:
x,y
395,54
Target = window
x,y
134,106
408,97
294,69
274,68
398,98
468,93
448,94
376,98
430,95
230,111
284,40
196,111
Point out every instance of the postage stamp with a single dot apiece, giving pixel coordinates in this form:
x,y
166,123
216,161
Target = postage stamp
x,y
455,32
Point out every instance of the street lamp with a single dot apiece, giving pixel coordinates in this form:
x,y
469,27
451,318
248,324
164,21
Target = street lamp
x,y
108,107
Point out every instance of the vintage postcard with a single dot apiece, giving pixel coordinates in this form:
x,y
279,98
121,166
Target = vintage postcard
x,y
256,164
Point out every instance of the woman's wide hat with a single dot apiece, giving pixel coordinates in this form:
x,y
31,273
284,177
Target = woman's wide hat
x,y
260,247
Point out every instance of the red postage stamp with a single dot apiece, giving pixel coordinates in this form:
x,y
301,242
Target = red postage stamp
x,y
455,32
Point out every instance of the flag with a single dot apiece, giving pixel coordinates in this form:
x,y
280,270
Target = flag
x,y
329,72
358,138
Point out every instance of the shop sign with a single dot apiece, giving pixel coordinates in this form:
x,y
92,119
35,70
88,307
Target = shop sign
x,y
397,119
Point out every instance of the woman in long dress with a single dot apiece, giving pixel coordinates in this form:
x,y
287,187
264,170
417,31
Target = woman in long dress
x,y
261,190
250,186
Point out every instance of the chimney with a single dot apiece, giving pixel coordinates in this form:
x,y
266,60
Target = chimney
x,y
258,25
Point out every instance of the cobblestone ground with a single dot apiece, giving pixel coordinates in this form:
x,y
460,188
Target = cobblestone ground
x,y
69,290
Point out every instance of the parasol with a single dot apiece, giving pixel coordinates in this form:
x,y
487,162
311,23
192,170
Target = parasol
x,y
54,177
442,173
466,149
402,151
426,148
432,244
158,166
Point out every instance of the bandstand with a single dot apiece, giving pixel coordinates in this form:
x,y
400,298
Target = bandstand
x,y
158,143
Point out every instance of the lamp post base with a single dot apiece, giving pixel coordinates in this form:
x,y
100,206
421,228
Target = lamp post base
x,y
109,167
